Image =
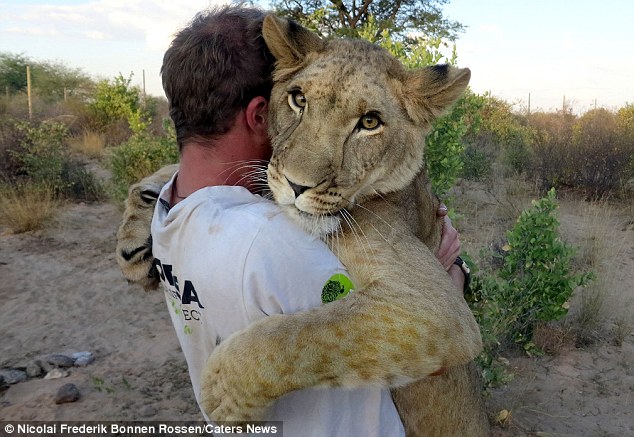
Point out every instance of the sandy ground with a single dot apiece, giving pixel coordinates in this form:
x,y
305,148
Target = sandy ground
x,y
61,292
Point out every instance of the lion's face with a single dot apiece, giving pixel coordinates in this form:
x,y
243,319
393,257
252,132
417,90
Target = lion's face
x,y
340,134
347,123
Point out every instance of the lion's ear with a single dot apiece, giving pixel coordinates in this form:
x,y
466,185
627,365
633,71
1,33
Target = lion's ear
x,y
288,41
430,91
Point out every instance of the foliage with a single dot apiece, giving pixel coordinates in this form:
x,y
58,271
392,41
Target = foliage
x,y
476,164
593,152
508,132
137,158
533,285
416,52
115,100
538,268
444,145
50,80
42,153
42,159
346,17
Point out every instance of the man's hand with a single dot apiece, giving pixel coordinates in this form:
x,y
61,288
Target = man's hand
x,y
450,249
450,243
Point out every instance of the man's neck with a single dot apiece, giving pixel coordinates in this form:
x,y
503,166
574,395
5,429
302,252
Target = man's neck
x,y
225,161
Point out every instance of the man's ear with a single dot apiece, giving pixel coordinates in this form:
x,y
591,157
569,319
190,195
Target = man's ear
x,y
288,41
430,91
256,114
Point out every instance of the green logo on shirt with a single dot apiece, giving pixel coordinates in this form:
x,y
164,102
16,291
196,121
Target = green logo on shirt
x,y
337,287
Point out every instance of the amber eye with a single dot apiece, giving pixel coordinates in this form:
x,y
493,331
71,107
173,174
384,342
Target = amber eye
x,y
370,121
297,99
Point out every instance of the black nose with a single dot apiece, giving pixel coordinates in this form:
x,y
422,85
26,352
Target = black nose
x,y
298,189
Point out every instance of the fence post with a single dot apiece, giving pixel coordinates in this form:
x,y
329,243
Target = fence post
x,y
28,91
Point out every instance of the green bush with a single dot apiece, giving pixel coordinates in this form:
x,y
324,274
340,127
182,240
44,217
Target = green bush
x,y
137,158
533,285
42,158
444,146
42,153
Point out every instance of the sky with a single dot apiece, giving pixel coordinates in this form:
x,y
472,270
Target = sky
x,y
581,51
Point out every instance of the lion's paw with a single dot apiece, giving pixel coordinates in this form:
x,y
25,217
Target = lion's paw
x,y
134,240
228,394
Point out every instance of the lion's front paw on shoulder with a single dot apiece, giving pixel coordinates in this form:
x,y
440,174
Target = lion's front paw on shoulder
x,y
134,240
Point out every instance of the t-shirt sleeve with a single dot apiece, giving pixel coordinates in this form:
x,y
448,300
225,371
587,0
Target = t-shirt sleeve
x,y
286,270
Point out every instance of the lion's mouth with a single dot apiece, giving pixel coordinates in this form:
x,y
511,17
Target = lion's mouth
x,y
318,224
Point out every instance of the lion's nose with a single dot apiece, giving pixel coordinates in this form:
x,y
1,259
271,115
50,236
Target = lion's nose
x,y
298,189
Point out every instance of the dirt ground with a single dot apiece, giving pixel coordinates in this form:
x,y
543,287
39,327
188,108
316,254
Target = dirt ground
x,y
61,292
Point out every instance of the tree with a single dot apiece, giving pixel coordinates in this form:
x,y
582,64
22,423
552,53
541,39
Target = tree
x,y
13,71
49,79
347,17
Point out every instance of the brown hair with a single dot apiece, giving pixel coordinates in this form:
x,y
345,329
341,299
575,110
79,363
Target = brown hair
x,y
213,68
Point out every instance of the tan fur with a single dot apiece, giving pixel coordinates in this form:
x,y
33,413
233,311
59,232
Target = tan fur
x,y
134,241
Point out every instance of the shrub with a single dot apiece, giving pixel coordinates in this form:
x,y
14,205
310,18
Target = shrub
x,y
476,164
42,153
599,157
444,145
116,105
137,158
42,159
532,286
26,207
11,137
538,269
79,183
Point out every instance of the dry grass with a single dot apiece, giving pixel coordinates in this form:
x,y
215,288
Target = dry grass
x,y
553,338
600,249
622,329
91,144
26,207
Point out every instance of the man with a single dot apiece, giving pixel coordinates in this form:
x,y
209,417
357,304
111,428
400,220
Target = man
x,y
226,256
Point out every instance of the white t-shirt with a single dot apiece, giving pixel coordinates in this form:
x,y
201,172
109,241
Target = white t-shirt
x,y
227,258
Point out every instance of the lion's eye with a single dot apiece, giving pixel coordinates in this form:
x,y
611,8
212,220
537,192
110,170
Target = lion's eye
x,y
370,121
296,99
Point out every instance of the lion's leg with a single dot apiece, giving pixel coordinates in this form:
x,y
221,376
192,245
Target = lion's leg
x,y
449,405
388,333
134,240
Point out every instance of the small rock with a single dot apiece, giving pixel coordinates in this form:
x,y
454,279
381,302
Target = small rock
x,y
60,360
82,359
67,393
13,376
56,374
147,411
33,369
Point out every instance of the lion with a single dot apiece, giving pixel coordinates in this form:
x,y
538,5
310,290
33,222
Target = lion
x,y
347,123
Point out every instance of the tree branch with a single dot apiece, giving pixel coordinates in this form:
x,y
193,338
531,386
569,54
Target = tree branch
x,y
362,12
344,15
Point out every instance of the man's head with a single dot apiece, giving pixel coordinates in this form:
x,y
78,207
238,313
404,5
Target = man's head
x,y
212,70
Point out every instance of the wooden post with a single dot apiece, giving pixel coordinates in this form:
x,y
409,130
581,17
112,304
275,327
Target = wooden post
x,y
143,88
65,93
529,103
28,91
